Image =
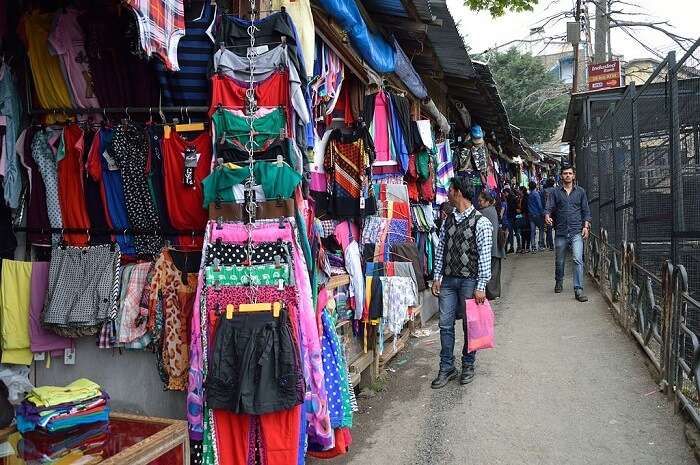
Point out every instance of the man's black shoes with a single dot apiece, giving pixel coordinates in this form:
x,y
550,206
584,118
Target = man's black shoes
x,y
558,288
467,375
580,296
443,378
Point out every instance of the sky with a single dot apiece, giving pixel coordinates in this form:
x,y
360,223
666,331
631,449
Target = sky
x,y
483,32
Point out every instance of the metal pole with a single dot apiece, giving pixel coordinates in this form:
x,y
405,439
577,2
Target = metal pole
x,y
600,173
675,158
577,18
636,155
613,158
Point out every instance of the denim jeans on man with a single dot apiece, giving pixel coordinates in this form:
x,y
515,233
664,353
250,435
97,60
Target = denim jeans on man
x,y
454,292
562,242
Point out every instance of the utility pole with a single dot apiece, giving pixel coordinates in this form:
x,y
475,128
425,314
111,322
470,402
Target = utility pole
x,y
602,26
577,19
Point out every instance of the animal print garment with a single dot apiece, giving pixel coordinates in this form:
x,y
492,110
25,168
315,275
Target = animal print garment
x,y
176,292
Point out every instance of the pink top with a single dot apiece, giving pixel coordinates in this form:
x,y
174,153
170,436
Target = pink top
x,y
381,128
68,43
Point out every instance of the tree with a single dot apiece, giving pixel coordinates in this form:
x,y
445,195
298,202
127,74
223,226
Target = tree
x,y
498,7
536,101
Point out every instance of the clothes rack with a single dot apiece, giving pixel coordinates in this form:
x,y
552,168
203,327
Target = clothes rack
x,y
122,232
117,110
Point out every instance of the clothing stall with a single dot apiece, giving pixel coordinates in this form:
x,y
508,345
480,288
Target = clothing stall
x,y
233,226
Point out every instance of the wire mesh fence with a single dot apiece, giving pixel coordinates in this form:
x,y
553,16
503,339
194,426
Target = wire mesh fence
x,y
639,160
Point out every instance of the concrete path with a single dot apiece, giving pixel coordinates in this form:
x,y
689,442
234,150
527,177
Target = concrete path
x,y
564,386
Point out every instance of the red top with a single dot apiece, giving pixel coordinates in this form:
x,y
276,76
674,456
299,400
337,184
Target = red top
x,y
183,201
272,91
71,194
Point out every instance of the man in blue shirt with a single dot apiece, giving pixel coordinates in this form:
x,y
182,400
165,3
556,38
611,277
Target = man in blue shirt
x,y
567,209
535,207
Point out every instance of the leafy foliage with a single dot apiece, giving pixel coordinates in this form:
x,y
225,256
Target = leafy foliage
x,y
498,7
536,101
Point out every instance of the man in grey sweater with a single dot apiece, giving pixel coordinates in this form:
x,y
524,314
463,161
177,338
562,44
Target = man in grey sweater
x,y
487,208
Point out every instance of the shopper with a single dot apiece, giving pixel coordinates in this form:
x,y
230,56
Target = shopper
x,y
522,222
535,208
510,201
567,209
462,270
487,208
549,230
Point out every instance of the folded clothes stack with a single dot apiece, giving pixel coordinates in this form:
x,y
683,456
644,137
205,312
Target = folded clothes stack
x,y
53,408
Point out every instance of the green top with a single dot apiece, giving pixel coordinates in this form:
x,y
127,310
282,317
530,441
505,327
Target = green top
x,y
233,128
278,181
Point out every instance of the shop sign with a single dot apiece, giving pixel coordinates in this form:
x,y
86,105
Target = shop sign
x,y
604,75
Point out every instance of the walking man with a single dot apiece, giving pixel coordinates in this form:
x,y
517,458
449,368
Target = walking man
x,y
498,251
567,209
462,269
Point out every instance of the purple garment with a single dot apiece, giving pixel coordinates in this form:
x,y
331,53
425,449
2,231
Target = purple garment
x,y
40,339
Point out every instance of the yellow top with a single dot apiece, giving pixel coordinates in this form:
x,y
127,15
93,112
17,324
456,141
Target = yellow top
x,y
49,81
77,391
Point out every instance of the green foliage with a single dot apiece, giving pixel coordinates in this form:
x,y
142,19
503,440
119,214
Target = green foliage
x,y
536,101
498,7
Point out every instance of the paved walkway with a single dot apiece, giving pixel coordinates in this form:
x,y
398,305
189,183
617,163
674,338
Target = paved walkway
x,y
564,386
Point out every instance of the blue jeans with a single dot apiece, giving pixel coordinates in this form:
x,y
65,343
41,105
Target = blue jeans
x,y
454,292
549,234
536,223
561,243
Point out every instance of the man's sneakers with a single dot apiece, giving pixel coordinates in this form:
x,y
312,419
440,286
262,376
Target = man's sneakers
x,y
467,375
580,296
558,287
443,378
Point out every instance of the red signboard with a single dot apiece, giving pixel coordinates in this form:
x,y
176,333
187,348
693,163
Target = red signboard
x,y
604,75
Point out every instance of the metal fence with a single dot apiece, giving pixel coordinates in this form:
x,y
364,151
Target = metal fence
x,y
640,164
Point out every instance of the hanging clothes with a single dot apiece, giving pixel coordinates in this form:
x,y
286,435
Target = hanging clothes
x,y
189,86
44,149
104,170
49,83
71,196
68,43
10,108
113,54
186,163
129,150
161,26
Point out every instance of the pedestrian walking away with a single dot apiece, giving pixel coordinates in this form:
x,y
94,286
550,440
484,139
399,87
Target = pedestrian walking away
x,y
567,210
535,208
549,230
462,270
498,251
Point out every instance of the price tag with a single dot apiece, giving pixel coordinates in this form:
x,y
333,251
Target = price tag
x,y
190,155
39,356
362,203
111,162
69,356
280,285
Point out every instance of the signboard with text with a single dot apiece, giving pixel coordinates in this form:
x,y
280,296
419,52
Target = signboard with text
x,y
604,75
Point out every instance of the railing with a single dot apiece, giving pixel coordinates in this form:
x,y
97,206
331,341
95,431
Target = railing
x,y
658,313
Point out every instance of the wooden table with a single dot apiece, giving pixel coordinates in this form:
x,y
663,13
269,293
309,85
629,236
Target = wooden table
x,y
168,435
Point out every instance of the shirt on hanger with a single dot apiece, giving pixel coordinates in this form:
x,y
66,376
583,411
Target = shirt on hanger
x,y
68,43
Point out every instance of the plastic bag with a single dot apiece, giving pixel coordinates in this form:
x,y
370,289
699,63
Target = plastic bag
x,y
16,378
480,320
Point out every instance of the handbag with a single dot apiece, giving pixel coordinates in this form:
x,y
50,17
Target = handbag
x,y
480,320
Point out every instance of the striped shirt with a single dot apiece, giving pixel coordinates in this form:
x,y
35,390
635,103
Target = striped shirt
x,y
190,86
484,242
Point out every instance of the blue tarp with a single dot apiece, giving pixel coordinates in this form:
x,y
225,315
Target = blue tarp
x,y
376,51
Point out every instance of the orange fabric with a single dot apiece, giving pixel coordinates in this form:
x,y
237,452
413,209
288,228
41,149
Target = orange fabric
x,y
71,193
279,436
